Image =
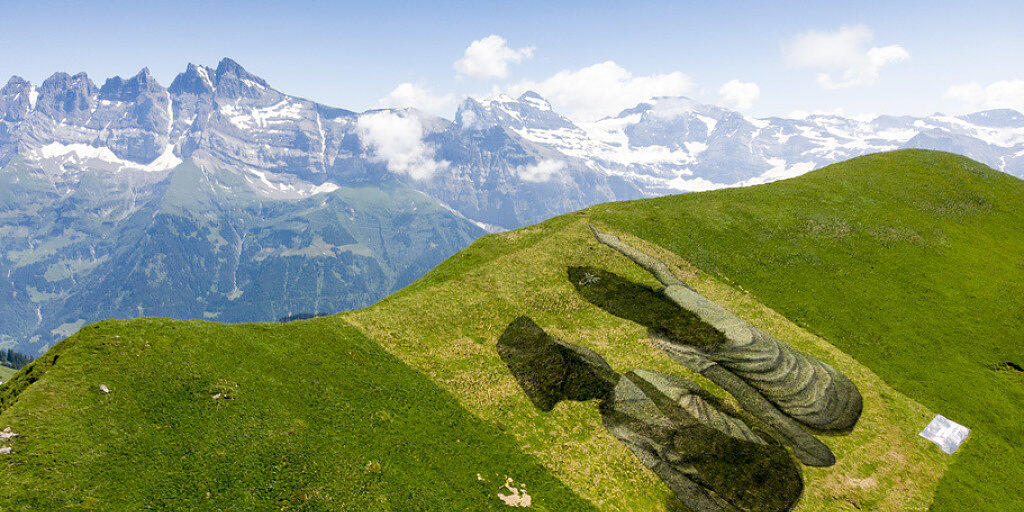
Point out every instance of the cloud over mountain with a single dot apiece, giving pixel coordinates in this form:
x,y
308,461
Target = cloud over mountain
x,y
397,141
409,95
738,95
542,171
1001,94
602,89
490,58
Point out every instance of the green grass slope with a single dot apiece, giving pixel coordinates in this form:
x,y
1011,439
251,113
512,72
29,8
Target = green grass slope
x,y
912,262
6,373
310,416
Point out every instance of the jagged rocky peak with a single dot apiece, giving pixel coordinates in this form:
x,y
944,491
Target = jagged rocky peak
x,y
670,107
15,85
66,95
997,118
231,79
61,81
504,102
466,114
194,80
534,100
662,103
17,99
119,89
228,79
674,122
530,110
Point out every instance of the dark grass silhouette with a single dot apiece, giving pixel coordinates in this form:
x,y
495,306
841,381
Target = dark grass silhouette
x,y
642,304
705,451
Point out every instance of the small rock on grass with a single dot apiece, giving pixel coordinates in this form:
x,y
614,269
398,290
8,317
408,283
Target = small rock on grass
x,y
7,433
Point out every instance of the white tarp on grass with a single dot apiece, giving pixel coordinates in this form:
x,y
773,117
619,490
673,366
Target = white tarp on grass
x,y
946,433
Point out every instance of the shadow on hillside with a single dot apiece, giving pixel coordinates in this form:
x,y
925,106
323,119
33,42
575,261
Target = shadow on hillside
x,y
642,304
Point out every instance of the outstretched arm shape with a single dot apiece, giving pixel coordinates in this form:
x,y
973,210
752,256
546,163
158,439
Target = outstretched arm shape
x,y
779,384
806,447
706,453
649,263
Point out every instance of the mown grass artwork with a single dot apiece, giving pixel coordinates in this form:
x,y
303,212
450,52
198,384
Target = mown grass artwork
x,y
912,262
710,456
641,304
447,323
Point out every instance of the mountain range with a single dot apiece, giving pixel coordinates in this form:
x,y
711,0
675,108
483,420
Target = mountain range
x,y
220,197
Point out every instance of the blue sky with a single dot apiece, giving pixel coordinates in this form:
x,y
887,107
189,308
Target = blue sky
x,y
880,57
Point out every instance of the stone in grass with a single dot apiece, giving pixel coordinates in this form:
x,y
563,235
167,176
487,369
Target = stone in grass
x,y
516,497
104,388
7,433
710,458
373,467
224,390
946,433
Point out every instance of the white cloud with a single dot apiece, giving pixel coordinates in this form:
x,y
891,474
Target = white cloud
x,y
544,170
398,142
739,95
1001,94
408,95
846,51
603,89
489,58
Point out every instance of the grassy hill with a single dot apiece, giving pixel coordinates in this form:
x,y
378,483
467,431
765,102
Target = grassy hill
x,y
5,373
900,269
204,416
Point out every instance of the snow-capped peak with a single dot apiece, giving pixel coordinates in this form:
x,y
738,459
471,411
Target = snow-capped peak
x,y
534,100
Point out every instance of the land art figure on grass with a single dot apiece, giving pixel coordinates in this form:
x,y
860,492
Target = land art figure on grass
x,y
708,457
794,393
712,458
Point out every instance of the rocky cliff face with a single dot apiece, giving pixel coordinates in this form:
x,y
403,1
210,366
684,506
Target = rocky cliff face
x,y
216,198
